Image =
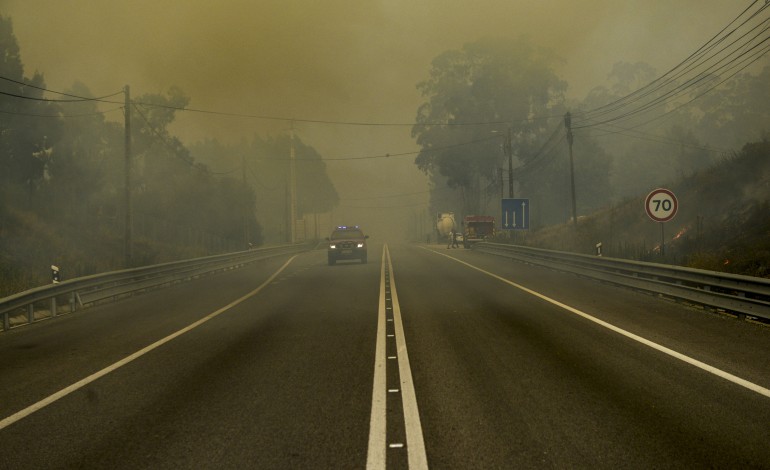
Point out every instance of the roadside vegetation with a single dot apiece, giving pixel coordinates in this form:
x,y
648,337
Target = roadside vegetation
x,y
723,221
62,166
497,108
62,181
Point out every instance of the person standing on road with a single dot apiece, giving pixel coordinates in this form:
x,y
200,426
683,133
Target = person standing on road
x,y
452,239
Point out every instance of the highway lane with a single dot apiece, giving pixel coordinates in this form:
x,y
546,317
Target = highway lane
x,y
281,380
284,379
505,379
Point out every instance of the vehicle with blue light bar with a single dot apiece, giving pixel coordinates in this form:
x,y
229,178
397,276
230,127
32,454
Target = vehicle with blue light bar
x,y
347,242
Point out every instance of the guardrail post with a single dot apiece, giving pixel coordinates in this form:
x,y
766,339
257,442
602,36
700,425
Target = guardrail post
x,y
53,306
6,322
72,302
30,313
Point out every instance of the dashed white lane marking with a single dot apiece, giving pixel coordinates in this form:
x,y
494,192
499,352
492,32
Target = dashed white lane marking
x,y
91,378
677,355
415,443
417,457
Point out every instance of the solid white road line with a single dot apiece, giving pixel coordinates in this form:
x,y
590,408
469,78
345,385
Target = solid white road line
x,y
677,355
415,444
414,438
91,378
375,457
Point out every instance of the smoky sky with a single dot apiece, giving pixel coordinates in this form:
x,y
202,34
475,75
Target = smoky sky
x,y
335,60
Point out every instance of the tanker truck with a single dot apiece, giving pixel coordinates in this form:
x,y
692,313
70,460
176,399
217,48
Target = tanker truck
x,y
445,222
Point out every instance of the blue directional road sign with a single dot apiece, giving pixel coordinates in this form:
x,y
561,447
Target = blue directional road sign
x,y
515,214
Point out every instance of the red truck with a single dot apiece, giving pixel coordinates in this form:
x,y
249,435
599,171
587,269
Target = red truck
x,y
477,228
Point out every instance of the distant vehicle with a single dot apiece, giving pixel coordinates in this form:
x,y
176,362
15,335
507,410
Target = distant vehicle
x,y
445,222
347,242
477,228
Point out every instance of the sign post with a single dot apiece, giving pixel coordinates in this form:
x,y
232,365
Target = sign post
x,y
661,206
515,214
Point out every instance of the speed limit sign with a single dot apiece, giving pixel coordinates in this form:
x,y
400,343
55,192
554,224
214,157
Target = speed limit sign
x,y
661,205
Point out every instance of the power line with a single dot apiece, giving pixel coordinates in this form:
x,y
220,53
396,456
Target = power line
x,y
652,138
729,55
47,100
663,80
78,98
185,158
697,82
756,57
95,113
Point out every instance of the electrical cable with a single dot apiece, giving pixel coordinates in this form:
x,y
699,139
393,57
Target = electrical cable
x,y
95,113
756,57
634,134
83,98
662,81
187,159
695,82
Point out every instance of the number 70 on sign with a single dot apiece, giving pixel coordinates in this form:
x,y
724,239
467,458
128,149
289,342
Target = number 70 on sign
x,y
661,205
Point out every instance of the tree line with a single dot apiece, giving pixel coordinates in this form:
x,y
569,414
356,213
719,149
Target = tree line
x,y
476,96
62,178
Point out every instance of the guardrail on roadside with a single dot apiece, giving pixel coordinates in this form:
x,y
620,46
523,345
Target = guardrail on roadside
x,y
744,296
43,302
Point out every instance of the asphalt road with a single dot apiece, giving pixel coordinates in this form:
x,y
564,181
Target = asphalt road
x,y
424,357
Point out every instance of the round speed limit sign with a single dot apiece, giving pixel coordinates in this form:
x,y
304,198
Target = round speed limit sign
x,y
661,205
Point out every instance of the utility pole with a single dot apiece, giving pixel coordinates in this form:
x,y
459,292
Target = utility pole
x,y
508,146
568,126
502,190
293,187
128,234
246,234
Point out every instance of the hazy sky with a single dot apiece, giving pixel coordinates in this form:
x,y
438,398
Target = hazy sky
x,y
335,60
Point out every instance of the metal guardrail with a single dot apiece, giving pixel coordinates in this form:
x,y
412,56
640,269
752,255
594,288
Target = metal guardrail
x,y
744,296
44,302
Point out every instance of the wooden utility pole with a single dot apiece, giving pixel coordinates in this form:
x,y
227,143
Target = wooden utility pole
x,y
509,153
568,125
128,234
502,189
246,215
293,187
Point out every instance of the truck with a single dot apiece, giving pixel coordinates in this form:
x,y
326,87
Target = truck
x,y
477,228
445,223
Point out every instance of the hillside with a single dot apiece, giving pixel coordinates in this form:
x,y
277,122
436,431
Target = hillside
x,y
723,221
31,244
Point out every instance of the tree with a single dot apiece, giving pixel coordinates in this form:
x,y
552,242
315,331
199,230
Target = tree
x,y
86,167
265,162
473,97
735,113
25,138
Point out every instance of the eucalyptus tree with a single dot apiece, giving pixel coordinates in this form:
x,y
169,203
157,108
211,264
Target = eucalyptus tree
x,y
477,96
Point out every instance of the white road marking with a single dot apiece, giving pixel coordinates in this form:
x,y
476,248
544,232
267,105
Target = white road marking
x,y
375,457
677,355
415,444
417,457
19,415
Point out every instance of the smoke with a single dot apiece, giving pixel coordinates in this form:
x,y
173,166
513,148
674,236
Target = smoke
x,y
334,60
